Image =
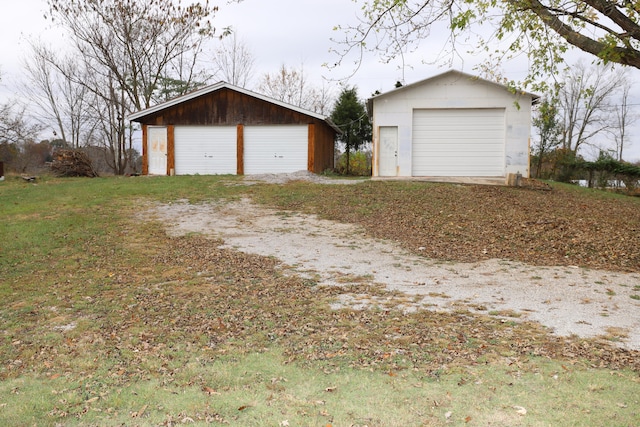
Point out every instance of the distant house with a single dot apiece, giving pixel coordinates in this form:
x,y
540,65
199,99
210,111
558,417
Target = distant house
x,y
451,127
224,129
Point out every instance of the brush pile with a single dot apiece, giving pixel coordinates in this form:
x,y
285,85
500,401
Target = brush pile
x,y
72,162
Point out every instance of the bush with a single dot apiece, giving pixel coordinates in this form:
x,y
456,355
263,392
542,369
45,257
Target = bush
x,y
566,165
606,168
359,164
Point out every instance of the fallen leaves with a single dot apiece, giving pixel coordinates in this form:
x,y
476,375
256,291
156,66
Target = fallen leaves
x,y
470,222
259,306
209,391
197,298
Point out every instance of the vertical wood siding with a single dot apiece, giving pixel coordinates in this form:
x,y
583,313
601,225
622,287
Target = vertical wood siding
x,y
240,150
171,152
232,108
145,154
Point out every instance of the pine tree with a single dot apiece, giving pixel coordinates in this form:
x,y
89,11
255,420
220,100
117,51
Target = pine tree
x,y
350,115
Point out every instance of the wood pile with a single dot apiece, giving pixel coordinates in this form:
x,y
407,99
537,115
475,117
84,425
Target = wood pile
x,y
73,162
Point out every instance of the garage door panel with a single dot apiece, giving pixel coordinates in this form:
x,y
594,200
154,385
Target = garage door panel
x,y
462,142
206,150
470,171
472,167
460,147
460,136
437,161
275,149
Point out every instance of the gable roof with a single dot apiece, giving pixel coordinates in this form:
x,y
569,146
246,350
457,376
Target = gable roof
x,y
534,97
224,85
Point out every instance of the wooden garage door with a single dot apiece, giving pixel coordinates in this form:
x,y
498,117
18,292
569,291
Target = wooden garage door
x,y
205,150
275,149
458,142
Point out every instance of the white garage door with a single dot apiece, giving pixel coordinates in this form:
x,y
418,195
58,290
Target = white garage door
x,y
458,142
205,150
275,149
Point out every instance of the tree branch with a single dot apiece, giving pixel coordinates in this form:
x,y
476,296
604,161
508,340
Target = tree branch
x,y
623,55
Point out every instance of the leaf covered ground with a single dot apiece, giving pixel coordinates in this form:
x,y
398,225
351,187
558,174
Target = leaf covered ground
x,y
120,303
565,226
214,301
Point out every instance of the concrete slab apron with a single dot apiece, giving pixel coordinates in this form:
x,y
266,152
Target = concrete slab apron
x,y
568,300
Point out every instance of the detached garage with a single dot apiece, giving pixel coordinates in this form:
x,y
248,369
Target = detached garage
x,y
452,127
224,129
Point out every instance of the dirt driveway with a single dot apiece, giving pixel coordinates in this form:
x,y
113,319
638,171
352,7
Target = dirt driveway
x,y
567,300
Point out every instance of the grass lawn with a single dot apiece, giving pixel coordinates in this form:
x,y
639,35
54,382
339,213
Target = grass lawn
x,y
106,320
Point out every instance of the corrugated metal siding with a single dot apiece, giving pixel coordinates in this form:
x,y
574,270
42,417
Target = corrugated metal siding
x,y
458,142
275,149
205,150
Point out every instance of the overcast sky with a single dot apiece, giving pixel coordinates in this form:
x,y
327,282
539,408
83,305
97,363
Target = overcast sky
x,y
289,32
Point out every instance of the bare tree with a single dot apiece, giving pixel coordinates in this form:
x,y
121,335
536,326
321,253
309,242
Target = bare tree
x,y
290,85
126,49
584,99
135,42
321,99
17,138
624,118
233,61
57,97
15,128
541,29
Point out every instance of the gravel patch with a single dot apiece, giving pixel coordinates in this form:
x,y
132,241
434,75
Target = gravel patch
x,y
567,300
283,178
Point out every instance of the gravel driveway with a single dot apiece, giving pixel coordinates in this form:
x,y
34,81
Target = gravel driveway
x,y
567,300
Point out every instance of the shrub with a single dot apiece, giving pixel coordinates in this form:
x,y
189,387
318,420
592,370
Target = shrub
x,y
359,164
606,168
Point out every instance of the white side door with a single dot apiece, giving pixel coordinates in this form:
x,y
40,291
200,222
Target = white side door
x,y
388,160
157,150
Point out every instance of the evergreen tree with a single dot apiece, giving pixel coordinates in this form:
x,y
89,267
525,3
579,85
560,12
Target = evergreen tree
x,y
350,115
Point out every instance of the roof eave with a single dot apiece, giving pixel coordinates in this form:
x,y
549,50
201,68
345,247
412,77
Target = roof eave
x,y
135,117
534,98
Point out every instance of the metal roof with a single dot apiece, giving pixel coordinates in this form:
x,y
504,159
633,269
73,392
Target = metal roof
x,y
534,97
224,85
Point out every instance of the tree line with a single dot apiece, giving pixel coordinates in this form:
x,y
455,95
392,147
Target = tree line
x,y
582,125
126,55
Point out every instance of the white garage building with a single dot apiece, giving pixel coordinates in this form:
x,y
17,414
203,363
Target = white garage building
x,y
453,126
